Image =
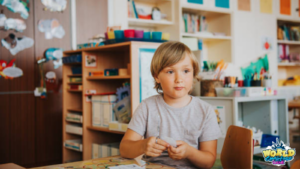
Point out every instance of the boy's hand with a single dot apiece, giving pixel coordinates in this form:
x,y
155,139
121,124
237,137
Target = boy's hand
x,y
153,149
181,152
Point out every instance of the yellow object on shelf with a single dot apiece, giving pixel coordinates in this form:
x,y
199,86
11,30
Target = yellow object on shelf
x,y
116,126
111,35
165,36
293,82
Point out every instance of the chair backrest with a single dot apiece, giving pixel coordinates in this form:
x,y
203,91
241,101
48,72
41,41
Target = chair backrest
x,y
237,151
296,165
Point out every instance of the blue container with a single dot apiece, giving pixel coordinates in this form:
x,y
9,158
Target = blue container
x,y
156,35
76,70
147,35
119,34
72,59
247,82
267,140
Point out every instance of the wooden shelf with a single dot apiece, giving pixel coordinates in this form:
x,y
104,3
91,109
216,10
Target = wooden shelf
x,y
288,42
72,63
288,19
75,75
206,38
123,45
146,22
73,149
74,90
75,110
288,64
74,121
203,10
74,83
103,129
108,77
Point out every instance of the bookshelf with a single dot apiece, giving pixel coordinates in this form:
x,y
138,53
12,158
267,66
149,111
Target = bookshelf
x,y
289,69
74,101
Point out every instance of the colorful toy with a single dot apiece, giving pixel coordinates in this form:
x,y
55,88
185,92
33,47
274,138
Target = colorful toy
x,y
8,70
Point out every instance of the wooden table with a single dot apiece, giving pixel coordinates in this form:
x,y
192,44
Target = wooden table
x,y
103,163
10,166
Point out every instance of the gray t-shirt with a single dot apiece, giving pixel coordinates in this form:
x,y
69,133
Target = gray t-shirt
x,y
193,123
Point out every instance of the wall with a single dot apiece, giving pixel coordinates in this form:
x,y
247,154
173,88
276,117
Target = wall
x,y
31,127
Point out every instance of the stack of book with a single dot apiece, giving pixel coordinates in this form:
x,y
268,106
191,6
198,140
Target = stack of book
x,y
105,150
102,109
194,23
74,117
291,33
74,145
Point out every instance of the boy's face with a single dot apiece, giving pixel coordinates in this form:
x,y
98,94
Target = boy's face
x,y
176,81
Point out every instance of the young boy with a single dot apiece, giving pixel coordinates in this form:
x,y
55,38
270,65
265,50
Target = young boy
x,y
173,113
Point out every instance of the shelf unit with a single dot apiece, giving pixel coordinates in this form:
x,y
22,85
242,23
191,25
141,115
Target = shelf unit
x,y
286,70
108,56
219,20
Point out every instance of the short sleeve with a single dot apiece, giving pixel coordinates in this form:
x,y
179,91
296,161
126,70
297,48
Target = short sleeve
x,y
211,129
139,120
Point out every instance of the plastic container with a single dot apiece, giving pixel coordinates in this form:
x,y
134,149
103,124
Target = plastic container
x,y
240,92
111,35
76,70
119,34
156,35
129,33
147,35
139,34
165,36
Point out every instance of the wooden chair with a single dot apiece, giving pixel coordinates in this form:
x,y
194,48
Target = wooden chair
x,y
296,165
237,151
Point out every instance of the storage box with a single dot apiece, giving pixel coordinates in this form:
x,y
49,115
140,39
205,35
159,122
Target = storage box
x,y
74,129
74,144
102,109
240,92
72,59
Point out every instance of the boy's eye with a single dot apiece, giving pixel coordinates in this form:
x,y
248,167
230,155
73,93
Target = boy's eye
x,y
186,71
170,72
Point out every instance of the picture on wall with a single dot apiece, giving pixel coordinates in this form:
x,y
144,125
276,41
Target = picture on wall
x,y
146,79
90,61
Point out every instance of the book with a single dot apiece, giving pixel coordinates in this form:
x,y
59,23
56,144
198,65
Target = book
x,y
74,144
105,150
74,129
74,117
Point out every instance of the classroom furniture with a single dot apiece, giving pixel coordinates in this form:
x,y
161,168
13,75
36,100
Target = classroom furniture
x,y
10,166
295,165
237,151
267,113
105,163
108,56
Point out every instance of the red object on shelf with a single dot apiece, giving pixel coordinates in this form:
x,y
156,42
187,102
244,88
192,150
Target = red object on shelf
x,y
129,33
148,17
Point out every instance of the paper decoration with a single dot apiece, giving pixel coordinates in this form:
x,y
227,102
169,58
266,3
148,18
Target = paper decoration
x,y
220,113
244,5
10,23
55,5
267,43
17,6
90,61
222,3
146,79
266,6
8,70
56,55
15,45
52,28
285,7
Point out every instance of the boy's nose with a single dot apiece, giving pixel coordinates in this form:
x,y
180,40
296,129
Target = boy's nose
x,y
178,79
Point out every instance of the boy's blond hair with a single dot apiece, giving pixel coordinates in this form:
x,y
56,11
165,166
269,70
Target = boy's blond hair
x,y
168,54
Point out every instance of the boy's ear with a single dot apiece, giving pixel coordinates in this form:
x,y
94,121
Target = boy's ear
x,y
156,79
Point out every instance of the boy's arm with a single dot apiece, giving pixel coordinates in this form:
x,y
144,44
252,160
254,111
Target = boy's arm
x,y
131,139
203,158
133,145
